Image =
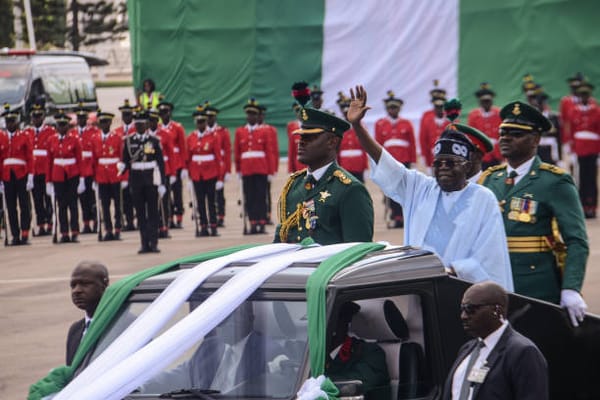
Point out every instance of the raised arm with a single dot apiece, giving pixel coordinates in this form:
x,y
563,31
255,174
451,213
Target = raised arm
x,y
356,112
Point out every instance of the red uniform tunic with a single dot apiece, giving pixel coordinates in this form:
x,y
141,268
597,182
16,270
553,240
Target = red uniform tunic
x,y
16,154
39,138
253,151
275,148
204,158
567,105
107,153
430,130
64,156
168,148
398,138
351,156
122,130
225,138
488,123
177,134
293,140
585,127
86,135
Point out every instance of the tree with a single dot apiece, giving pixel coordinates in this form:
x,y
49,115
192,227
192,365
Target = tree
x,y
49,22
97,22
7,34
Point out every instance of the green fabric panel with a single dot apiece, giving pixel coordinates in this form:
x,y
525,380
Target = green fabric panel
x,y
109,306
500,41
227,52
316,288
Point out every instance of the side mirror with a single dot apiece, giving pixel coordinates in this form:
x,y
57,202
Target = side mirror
x,y
350,390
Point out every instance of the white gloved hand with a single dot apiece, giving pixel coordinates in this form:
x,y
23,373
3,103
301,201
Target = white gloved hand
x,y
575,305
269,178
184,174
50,189
81,186
120,167
29,184
566,149
124,184
161,190
227,177
172,179
219,185
95,186
1,187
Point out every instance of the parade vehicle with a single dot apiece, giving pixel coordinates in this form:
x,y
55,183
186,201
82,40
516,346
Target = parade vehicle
x,y
409,306
59,79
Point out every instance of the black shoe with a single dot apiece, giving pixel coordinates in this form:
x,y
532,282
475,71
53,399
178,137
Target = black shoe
x,y
204,232
15,242
398,224
24,241
213,232
74,239
221,223
261,229
253,230
108,236
129,228
117,236
154,250
172,225
64,239
143,250
178,225
86,230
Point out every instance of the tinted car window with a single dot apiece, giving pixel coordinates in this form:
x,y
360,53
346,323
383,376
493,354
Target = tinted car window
x,y
66,83
13,82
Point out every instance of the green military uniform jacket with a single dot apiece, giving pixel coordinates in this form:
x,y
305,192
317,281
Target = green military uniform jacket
x,y
337,209
546,194
367,363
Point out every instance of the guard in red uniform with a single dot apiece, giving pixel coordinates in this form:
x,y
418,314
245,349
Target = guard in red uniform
x,y
253,152
39,134
397,136
16,159
433,123
108,148
223,134
64,181
274,157
177,132
569,102
487,119
127,128
293,140
166,142
87,199
351,155
205,165
584,128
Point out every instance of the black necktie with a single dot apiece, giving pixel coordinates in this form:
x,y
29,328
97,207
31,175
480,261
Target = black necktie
x,y
309,182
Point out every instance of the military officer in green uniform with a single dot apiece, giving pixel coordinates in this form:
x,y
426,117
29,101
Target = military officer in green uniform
x,y
323,201
542,214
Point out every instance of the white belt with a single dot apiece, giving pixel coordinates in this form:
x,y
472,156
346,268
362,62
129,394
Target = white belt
x,y
65,161
351,153
86,154
204,157
175,149
140,166
253,154
108,161
40,152
14,161
586,135
396,143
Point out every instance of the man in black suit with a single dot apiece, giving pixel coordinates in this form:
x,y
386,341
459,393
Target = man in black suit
x,y
499,363
88,282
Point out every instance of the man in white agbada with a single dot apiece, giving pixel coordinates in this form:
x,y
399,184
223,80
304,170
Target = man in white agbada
x,y
457,220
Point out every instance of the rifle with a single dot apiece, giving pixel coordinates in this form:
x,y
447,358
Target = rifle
x,y
242,204
194,207
54,219
98,211
4,218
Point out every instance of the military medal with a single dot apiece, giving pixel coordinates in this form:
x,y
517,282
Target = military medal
x,y
513,215
148,148
324,196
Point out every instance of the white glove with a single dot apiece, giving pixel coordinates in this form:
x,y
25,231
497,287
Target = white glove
x,y
269,178
124,184
94,186
227,176
120,167
81,186
161,190
1,187
219,185
566,149
575,305
50,189
184,174
239,176
172,179
29,184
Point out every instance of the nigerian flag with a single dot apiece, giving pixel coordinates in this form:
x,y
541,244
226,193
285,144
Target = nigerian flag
x,y
229,51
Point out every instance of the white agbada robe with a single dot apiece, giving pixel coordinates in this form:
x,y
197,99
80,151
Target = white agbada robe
x,y
477,248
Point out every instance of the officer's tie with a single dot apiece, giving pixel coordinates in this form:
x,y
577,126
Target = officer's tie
x,y
309,182
466,385
509,182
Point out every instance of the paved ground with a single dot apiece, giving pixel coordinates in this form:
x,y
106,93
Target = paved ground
x,y
35,306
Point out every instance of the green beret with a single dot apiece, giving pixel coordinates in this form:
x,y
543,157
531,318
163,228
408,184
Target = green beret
x,y
521,116
315,121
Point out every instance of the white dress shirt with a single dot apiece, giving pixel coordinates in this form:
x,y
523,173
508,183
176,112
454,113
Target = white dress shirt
x,y
319,172
224,379
522,169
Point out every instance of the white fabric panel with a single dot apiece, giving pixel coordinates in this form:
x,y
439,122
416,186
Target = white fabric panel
x,y
149,323
397,45
163,350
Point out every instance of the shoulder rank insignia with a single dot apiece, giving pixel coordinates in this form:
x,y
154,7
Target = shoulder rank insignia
x,y
489,171
324,196
552,168
342,177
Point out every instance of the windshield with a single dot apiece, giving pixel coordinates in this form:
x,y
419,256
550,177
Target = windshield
x,y
13,82
67,83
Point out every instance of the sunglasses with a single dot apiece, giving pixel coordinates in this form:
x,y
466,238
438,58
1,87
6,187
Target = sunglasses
x,y
470,309
514,133
447,163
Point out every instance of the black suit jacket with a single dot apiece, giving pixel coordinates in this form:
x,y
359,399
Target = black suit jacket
x,y
518,370
73,339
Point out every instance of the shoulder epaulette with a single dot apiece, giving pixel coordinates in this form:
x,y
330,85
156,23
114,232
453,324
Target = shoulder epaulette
x,y
490,171
345,179
552,168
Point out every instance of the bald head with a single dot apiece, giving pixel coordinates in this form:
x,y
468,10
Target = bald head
x,y
483,308
88,282
490,292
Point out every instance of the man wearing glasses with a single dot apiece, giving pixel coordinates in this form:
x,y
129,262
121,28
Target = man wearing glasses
x,y
542,214
499,363
457,220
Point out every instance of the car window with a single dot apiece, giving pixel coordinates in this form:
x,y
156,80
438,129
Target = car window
x,y
13,82
67,83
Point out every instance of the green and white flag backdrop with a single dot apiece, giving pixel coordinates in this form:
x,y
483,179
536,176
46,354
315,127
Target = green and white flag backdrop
x,y
229,51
